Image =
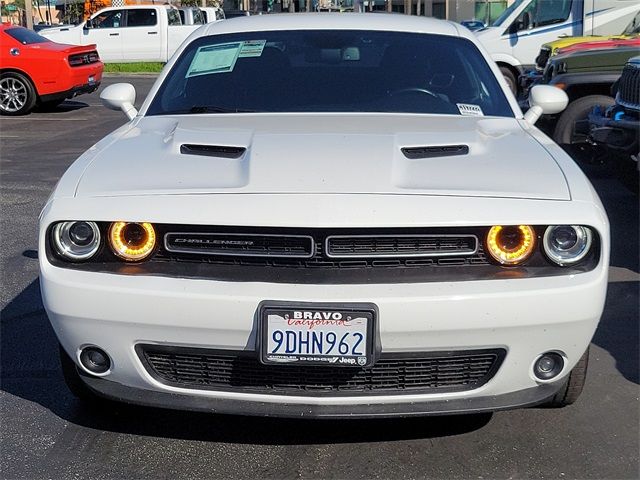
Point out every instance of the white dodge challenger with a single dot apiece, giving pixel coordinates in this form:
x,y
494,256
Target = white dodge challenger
x,y
326,216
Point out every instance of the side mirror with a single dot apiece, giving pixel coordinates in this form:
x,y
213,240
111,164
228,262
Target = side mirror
x,y
545,100
120,96
88,24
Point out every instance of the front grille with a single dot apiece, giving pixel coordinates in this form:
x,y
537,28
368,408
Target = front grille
x,y
629,87
391,374
350,246
320,261
323,249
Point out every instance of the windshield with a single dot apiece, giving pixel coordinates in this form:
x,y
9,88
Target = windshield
x,y
25,36
331,71
507,13
634,27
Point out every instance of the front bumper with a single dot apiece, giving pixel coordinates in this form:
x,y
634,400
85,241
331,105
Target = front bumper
x,y
153,398
527,317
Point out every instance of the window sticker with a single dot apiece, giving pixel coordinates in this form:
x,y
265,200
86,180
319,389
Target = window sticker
x,y
215,59
252,48
470,110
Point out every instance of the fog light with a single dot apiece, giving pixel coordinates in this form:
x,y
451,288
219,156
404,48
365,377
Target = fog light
x,y
548,366
95,360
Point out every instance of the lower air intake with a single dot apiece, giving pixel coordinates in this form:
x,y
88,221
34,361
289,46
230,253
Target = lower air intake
x,y
392,374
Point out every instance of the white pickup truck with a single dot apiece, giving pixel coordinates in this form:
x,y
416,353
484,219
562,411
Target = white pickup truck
x,y
133,33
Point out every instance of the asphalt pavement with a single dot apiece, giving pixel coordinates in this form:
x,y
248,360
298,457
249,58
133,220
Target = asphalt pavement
x,y
46,433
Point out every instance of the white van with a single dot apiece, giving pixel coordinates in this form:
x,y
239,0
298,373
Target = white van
x,y
514,39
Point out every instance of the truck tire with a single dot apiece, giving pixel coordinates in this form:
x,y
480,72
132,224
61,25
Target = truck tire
x,y
572,389
17,95
511,79
565,132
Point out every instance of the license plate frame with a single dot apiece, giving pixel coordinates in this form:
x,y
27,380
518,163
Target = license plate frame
x,y
367,311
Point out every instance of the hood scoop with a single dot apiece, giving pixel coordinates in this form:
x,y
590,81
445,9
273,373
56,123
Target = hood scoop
x,y
415,153
219,151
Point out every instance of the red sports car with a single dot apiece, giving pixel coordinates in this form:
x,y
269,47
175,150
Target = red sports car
x,y
36,71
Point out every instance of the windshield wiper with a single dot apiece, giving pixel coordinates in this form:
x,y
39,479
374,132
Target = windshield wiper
x,y
216,109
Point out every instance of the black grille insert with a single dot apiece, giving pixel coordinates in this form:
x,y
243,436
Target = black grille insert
x,y
240,244
393,373
629,87
543,58
353,246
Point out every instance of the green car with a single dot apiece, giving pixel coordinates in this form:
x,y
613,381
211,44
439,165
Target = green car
x,y
587,76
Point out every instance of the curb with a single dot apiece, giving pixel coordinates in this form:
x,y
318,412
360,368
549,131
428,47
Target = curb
x,y
130,74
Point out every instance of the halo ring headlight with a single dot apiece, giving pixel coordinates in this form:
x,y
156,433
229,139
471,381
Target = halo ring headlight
x,y
511,245
77,240
132,241
566,244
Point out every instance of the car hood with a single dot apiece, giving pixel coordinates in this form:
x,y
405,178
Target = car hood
x,y
324,153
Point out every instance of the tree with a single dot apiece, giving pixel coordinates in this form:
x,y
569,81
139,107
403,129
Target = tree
x,y
73,13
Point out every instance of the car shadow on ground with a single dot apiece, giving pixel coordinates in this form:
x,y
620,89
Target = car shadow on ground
x,y
64,107
618,332
30,370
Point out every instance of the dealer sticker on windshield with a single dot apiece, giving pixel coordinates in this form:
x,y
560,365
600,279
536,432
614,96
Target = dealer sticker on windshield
x,y
215,59
320,336
252,48
470,110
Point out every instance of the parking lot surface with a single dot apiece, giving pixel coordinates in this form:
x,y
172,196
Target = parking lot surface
x,y
47,433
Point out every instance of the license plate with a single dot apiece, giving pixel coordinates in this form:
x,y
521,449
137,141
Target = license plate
x,y
318,335
92,80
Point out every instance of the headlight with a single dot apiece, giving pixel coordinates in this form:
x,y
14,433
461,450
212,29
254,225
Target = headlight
x,y
511,245
76,240
566,244
132,241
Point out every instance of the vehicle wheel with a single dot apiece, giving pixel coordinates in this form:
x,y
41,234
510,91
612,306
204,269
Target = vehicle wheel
x,y
573,388
72,378
511,79
578,111
17,95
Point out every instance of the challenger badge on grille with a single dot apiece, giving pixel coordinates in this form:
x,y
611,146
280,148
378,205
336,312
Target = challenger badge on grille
x,y
240,244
